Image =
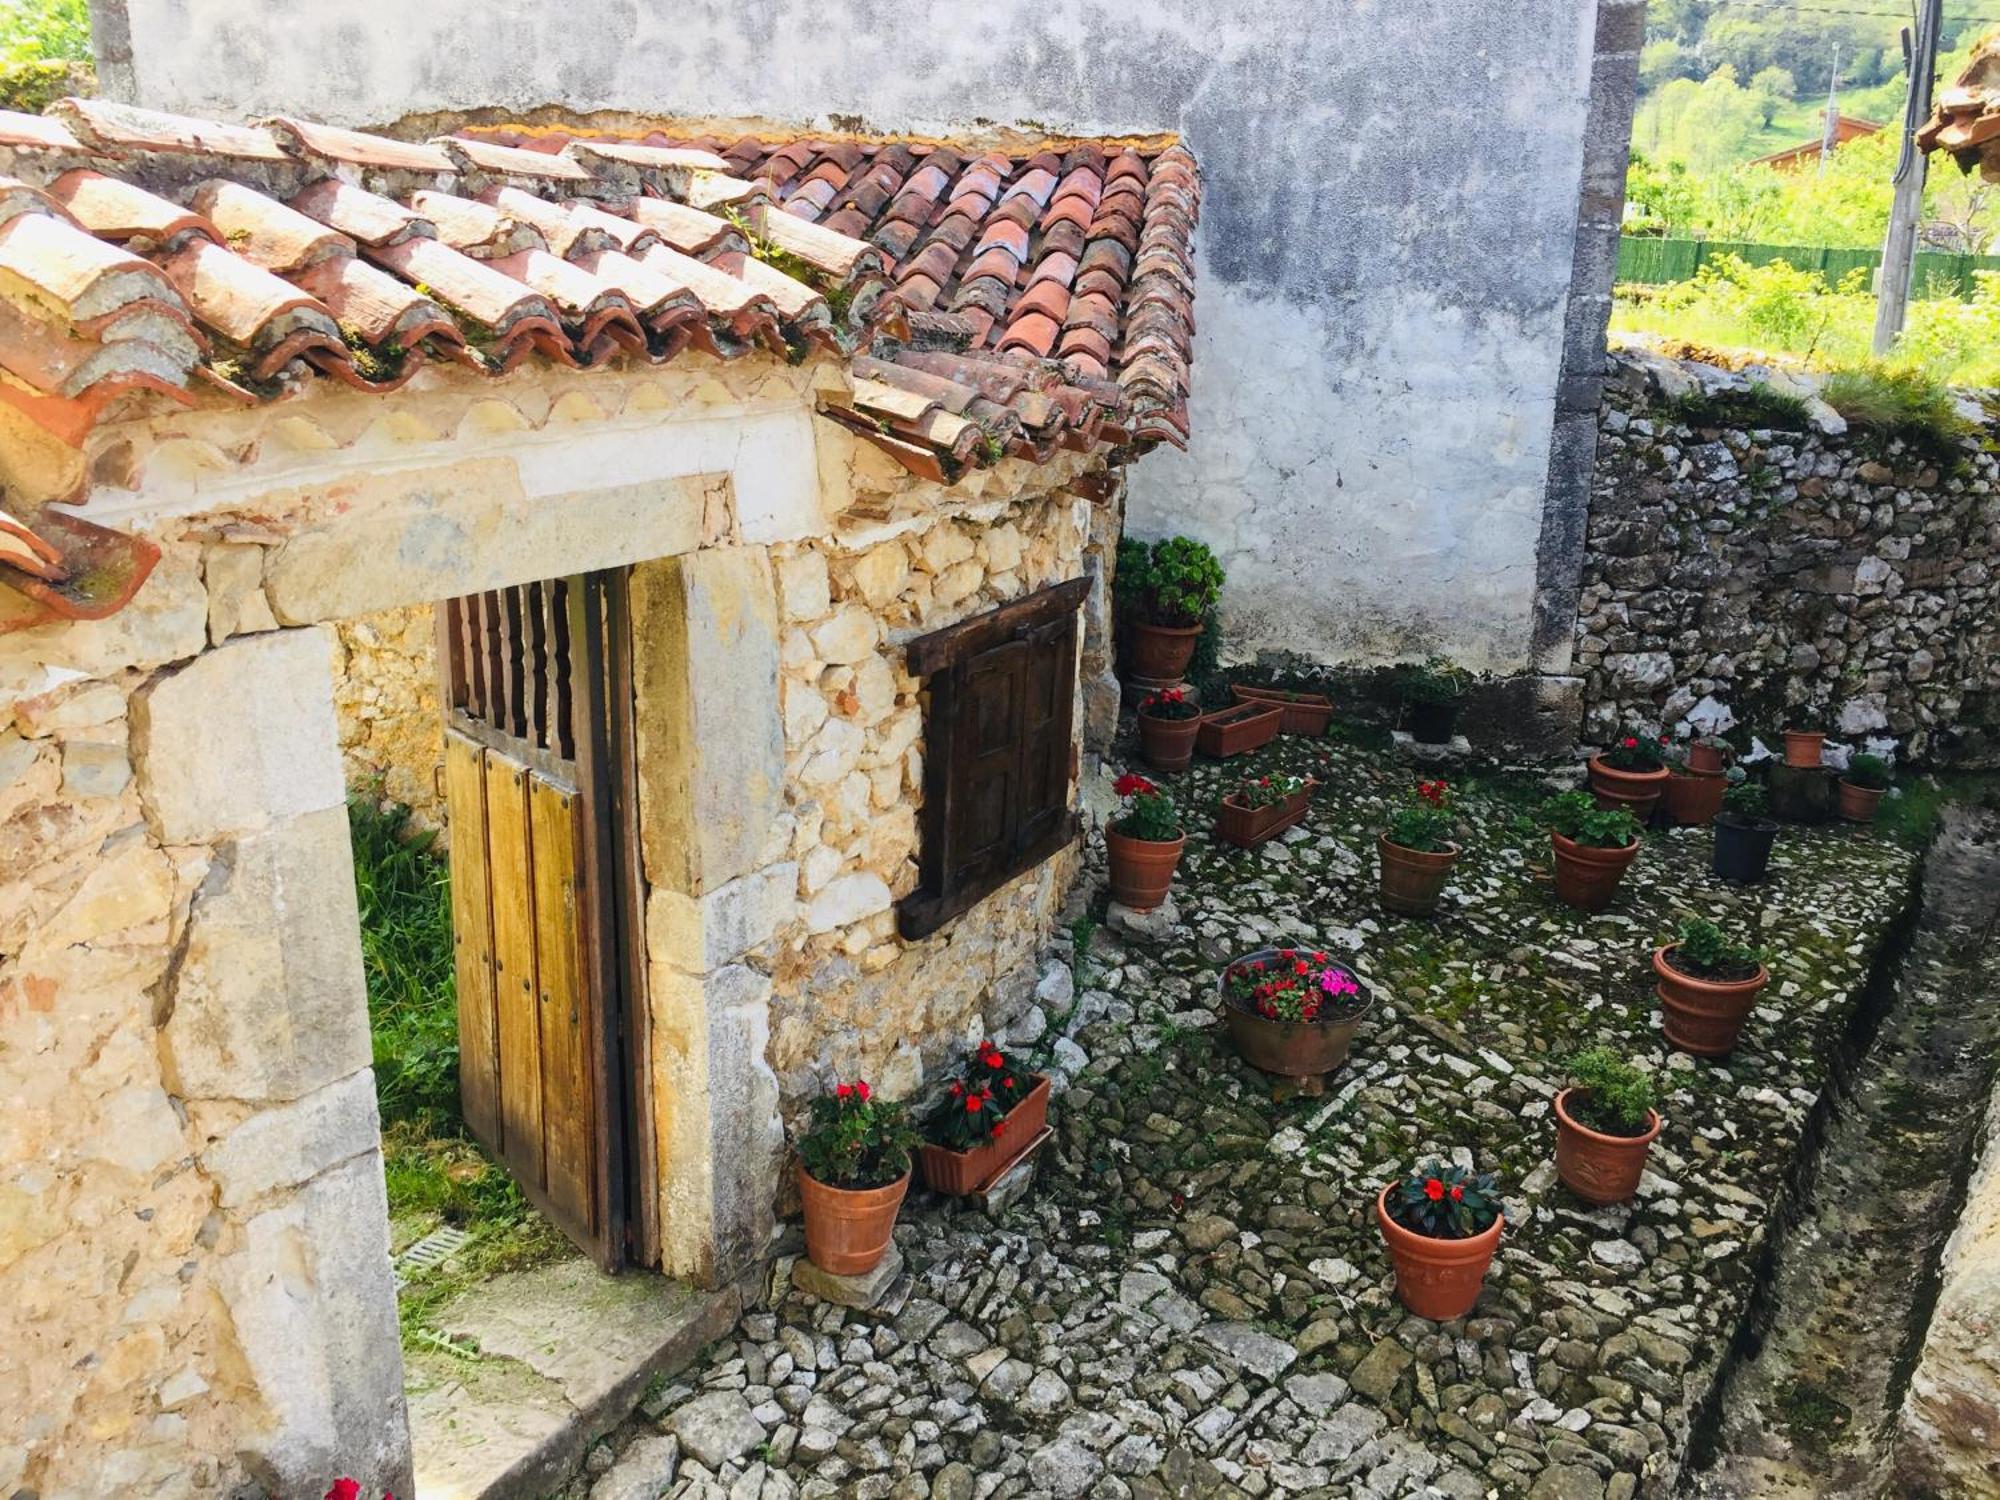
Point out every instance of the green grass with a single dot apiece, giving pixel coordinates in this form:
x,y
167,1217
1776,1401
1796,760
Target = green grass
x,y
1900,405
1760,406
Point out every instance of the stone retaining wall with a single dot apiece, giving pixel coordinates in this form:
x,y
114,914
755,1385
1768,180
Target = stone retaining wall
x,y
1791,576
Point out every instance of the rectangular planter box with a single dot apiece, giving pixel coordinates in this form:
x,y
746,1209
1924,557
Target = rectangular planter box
x,y
1247,827
1303,713
1232,731
962,1172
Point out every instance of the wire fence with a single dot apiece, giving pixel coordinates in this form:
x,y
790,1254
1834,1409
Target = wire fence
x,y
1656,262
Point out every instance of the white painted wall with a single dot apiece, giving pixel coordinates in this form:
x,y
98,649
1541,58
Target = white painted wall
x,y
1390,203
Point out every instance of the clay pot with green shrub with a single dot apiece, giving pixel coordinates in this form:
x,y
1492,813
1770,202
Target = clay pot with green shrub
x,y
1432,693
1594,847
1416,850
1441,1224
854,1169
1863,787
1744,834
1708,983
1605,1124
1165,593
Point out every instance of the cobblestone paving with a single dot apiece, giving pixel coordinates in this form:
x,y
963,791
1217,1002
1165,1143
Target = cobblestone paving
x,y
1195,1300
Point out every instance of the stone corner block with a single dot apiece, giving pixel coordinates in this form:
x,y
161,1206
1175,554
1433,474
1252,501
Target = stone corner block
x,y
697,934
292,1143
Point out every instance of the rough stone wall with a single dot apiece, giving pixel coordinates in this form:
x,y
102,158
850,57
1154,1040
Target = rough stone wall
x,y
386,699
1793,576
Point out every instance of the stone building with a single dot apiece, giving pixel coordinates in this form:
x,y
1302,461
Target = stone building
x,y
735,516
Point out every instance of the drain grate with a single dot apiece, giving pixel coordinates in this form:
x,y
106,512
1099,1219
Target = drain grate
x,y
434,1249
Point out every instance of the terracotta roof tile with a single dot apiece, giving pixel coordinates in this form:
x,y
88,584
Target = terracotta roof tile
x,y
355,148
124,129
266,232
116,210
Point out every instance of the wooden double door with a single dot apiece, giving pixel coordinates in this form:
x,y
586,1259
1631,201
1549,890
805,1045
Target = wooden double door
x,y
539,798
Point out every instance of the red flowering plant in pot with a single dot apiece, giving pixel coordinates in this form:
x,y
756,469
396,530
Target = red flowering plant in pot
x,y
989,1116
1442,1224
1262,807
1605,1124
1169,720
1416,850
1292,1012
1144,845
1631,774
854,1168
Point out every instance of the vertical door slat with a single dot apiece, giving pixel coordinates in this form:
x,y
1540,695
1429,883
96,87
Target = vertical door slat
x,y
567,1011
472,940
519,1026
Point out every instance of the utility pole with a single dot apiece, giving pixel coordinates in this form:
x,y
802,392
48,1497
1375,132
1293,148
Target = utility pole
x,y
1899,249
1832,136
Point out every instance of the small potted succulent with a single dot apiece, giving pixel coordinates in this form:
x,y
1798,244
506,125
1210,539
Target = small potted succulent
x,y
1863,787
1303,713
1442,1224
1631,774
1292,1012
1261,808
1803,747
1433,692
1594,846
1709,752
988,1117
854,1168
1144,845
1164,594
1707,985
1168,722
1416,850
1691,797
1743,834
1605,1124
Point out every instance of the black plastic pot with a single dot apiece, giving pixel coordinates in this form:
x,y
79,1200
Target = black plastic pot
x,y
1743,847
1431,723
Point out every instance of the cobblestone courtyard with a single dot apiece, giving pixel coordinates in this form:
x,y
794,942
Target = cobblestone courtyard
x,y
1195,1299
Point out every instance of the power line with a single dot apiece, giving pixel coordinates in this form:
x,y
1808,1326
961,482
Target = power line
x,y
1804,7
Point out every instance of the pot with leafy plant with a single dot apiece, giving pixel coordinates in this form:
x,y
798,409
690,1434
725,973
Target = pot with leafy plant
x,y
1631,774
1416,851
1708,752
1803,747
1292,1012
988,1118
1605,1124
1306,714
1691,797
1168,723
1433,692
1863,787
1442,1224
1594,847
1743,834
1261,808
854,1168
1707,985
1164,593
1144,845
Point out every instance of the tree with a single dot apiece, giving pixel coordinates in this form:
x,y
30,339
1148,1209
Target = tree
x,y
1773,89
44,31
1661,62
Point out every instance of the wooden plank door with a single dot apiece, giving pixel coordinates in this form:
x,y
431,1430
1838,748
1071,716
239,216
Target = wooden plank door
x,y
538,913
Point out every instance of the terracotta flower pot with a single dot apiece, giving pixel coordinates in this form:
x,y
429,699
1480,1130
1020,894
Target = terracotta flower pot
x,y
1238,823
1238,729
1587,877
1705,758
1303,713
1700,1016
1413,879
962,1172
1161,652
1168,744
1600,1168
1692,798
1858,804
848,1229
1802,747
1142,870
1437,1279
1288,1049
1638,792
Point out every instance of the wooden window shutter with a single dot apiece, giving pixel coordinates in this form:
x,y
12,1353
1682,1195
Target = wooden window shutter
x,y
998,734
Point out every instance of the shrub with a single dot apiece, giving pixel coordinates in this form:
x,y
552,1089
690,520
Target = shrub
x,y
1151,817
1293,985
1174,703
856,1140
1706,951
1433,681
976,1105
1612,1096
1901,404
1445,1202
1637,752
1175,582
1578,818
1425,821
1870,772
1746,798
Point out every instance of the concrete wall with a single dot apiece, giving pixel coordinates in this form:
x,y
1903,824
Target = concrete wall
x,y
1392,195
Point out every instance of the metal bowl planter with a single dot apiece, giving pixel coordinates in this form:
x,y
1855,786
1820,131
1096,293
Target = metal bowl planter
x,y
1305,1050
1238,729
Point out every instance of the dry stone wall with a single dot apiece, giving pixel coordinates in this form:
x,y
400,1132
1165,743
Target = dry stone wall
x,y
1789,575
385,693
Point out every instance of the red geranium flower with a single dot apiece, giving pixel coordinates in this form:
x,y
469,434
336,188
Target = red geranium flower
x,y
861,1088
1457,1191
1132,784
1433,1190
972,1104
842,1092
345,1489
1631,742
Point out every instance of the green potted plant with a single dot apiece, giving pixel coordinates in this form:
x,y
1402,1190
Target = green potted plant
x,y
1594,846
1605,1124
1304,713
1707,984
1631,773
854,1168
1416,851
1803,747
1262,807
1442,1224
1433,691
1164,594
1743,833
1291,1012
1144,845
1863,787
1168,723
989,1116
